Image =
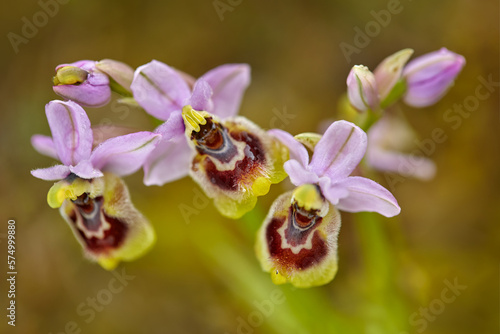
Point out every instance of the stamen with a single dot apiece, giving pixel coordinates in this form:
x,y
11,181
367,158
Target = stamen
x,y
192,118
70,75
308,197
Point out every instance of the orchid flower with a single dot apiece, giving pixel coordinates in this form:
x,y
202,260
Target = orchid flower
x,y
89,83
421,83
91,196
298,241
231,158
429,77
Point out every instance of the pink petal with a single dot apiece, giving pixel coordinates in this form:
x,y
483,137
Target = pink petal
x,y
71,131
367,195
228,83
299,174
159,89
297,150
170,161
53,173
200,99
44,145
85,170
85,94
430,76
339,151
124,155
404,164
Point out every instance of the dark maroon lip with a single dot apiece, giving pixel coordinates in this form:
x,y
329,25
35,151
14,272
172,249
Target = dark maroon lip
x,y
91,213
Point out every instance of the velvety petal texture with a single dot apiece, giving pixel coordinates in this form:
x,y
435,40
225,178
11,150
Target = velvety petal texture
x,y
124,155
367,195
339,151
53,173
44,145
159,89
228,83
430,76
71,131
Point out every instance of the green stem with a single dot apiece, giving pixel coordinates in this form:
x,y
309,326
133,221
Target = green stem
x,y
384,309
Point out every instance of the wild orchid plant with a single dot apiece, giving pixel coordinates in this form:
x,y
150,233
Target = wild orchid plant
x,y
232,159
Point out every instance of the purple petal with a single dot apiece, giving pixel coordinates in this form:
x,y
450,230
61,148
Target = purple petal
x,y
173,127
297,150
430,76
200,99
367,195
228,83
71,131
86,94
332,192
339,151
298,173
124,155
170,161
404,164
44,145
159,89
85,170
53,173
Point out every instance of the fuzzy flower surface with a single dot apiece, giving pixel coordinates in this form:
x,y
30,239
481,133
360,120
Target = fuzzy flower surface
x,y
163,92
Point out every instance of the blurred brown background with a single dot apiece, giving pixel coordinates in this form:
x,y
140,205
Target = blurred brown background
x,y
202,277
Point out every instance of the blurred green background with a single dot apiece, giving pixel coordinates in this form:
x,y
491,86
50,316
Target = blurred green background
x,y
202,276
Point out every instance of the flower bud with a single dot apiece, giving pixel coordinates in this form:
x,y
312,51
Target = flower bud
x,y
389,71
82,83
430,76
362,88
121,73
